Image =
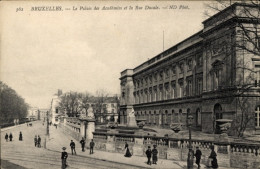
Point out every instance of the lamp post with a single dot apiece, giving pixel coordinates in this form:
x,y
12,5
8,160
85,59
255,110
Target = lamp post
x,y
48,131
190,153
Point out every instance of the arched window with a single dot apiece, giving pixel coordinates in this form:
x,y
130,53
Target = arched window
x,y
257,116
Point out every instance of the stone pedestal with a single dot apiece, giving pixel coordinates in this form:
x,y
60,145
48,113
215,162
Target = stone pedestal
x,y
138,147
90,129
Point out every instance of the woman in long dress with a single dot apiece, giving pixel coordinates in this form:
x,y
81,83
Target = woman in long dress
x,y
127,153
20,136
213,156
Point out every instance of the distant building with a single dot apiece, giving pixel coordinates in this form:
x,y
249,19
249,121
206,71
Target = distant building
x,y
43,114
55,111
33,113
199,76
108,110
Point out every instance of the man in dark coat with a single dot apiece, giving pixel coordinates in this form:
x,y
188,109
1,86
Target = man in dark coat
x,y
39,141
72,146
11,137
155,153
198,156
35,140
6,137
91,145
64,156
83,142
149,155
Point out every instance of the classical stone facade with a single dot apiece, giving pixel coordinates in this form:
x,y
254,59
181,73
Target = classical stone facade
x,y
199,76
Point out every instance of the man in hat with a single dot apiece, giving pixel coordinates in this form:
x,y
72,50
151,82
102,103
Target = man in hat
x,y
154,153
83,142
35,141
64,156
72,145
149,155
39,141
198,156
91,145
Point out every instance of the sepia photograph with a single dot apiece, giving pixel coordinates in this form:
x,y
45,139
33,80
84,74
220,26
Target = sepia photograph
x,y
130,84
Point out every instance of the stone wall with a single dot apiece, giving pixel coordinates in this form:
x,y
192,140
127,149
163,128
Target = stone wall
x,y
238,155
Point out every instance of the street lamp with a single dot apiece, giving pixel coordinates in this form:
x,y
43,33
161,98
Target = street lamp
x,y
190,153
48,131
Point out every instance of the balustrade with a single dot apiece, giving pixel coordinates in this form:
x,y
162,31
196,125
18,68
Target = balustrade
x,y
245,148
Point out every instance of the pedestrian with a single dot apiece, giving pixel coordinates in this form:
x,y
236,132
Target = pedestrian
x,y
27,124
39,141
126,145
56,126
91,145
149,155
20,136
213,156
35,141
127,153
10,136
72,146
64,156
198,156
154,153
6,137
82,142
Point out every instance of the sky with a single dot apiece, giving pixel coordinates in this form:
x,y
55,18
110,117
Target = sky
x,y
43,51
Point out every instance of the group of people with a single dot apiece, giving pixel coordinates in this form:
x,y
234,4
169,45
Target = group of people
x,y
37,141
149,153
152,153
212,162
11,136
64,154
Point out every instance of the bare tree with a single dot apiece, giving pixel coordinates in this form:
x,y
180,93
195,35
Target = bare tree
x,y
71,103
245,20
100,104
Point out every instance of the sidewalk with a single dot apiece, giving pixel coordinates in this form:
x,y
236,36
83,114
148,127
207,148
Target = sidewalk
x,y
58,140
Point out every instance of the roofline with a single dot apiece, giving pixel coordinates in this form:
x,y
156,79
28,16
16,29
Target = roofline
x,y
227,8
198,33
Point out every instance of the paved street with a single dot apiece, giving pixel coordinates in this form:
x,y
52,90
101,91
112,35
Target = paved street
x,y
19,154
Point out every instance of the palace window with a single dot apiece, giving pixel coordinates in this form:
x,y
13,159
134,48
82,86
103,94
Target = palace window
x,y
181,67
161,75
181,92
257,116
150,79
150,96
199,86
167,73
199,60
155,77
189,87
160,94
173,89
189,64
155,95
173,70
146,81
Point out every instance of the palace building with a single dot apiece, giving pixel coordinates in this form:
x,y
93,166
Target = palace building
x,y
206,75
